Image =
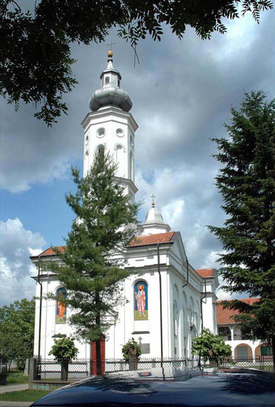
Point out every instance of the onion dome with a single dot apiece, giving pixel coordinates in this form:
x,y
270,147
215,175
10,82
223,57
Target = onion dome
x,y
110,93
154,222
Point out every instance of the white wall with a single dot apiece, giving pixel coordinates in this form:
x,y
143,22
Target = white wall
x,y
179,327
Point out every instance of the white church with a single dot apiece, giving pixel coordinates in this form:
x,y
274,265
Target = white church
x,y
169,302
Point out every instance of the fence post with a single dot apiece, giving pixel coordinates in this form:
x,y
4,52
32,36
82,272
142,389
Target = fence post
x,y
3,373
33,370
27,367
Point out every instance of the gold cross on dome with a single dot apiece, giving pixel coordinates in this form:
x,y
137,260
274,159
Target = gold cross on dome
x,y
153,200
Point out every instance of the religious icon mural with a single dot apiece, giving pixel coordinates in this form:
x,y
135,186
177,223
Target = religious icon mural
x,y
61,309
141,301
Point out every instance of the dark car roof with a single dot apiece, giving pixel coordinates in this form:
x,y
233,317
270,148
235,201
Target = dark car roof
x,y
162,387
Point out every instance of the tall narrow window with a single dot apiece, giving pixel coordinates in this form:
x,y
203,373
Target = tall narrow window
x,y
119,151
101,149
61,309
131,141
141,301
175,323
132,166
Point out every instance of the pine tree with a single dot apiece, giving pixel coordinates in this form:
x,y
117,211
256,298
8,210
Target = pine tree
x,y
247,185
91,268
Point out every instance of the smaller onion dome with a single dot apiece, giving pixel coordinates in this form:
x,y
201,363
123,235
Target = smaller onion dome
x,y
154,222
154,216
110,93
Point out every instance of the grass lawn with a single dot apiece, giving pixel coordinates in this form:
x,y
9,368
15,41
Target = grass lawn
x,y
25,395
17,377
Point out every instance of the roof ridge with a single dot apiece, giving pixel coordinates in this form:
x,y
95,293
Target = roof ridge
x,y
51,248
155,238
241,299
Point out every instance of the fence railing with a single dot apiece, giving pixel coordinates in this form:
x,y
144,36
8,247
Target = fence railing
x,y
261,362
50,369
121,365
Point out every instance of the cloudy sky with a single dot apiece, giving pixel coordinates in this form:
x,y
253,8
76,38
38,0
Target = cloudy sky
x,y
182,92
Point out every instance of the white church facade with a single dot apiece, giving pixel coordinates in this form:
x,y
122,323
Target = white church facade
x,y
168,301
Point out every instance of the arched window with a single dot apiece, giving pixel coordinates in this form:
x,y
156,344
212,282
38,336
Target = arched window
x,y
119,133
107,80
119,152
101,149
175,318
131,166
140,301
61,309
184,324
175,326
131,141
101,132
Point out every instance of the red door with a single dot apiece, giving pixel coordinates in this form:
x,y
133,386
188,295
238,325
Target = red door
x,y
93,356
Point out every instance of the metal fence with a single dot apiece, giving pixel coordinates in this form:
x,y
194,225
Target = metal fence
x,y
114,365
79,369
50,369
261,363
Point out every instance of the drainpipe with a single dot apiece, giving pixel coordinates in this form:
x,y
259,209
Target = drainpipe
x,y
202,298
187,281
160,306
40,312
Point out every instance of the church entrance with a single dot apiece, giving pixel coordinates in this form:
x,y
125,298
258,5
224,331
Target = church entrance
x,y
93,356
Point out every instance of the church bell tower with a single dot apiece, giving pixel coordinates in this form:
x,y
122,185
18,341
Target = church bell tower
x,y
111,127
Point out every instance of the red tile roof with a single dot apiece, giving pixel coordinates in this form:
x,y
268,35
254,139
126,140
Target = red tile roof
x,y
224,315
205,272
51,252
152,239
137,241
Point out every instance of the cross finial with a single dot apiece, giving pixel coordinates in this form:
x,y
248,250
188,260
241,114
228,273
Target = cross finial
x,y
153,200
140,339
110,52
110,44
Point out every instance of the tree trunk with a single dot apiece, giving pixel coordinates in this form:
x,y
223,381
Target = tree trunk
x,y
213,362
64,370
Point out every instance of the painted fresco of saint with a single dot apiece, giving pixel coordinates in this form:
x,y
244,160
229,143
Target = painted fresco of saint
x,y
141,307
61,307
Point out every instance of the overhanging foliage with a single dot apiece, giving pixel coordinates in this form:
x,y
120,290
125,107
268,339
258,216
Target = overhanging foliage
x,y
35,46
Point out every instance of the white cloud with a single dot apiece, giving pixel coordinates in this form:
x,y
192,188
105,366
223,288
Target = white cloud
x,y
17,244
174,212
211,260
38,158
223,295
